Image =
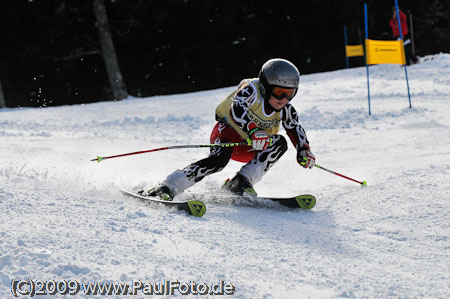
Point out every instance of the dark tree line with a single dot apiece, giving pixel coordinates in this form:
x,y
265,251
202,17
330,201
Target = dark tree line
x,y
51,52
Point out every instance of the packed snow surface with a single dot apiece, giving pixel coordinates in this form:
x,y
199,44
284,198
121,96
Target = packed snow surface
x,y
63,217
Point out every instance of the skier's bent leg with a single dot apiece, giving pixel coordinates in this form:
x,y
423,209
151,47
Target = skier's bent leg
x,y
253,171
182,179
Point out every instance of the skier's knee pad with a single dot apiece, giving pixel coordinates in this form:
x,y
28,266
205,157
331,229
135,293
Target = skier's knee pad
x,y
264,160
220,157
274,152
279,143
216,161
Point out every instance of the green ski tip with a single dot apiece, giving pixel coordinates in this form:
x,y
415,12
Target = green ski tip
x,y
99,159
197,208
306,201
364,183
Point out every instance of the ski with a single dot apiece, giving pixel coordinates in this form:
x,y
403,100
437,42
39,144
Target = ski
x,y
194,207
303,201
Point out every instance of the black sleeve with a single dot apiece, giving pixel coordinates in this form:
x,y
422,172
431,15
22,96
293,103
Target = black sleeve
x,y
293,128
243,99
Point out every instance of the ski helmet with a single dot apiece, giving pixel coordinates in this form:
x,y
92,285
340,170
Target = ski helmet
x,y
278,72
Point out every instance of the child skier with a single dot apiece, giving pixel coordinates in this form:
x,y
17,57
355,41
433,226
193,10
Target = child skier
x,y
252,113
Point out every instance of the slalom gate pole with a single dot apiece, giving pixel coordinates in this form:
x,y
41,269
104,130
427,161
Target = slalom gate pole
x,y
363,183
232,144
404,51
367,51
412,34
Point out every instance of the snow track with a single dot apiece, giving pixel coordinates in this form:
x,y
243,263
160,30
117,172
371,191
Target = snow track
x,y
63,217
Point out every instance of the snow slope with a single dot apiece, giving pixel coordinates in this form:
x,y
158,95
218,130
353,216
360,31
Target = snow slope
x,y
62,216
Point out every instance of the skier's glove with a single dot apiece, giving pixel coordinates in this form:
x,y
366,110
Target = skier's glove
x,y
259,139
305,158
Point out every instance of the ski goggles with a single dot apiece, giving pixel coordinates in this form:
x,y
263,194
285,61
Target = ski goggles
x,y
280,93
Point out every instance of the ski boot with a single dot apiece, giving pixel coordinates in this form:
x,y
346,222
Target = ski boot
x,y
239,185
161,191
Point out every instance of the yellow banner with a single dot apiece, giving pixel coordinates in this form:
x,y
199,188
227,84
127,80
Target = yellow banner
x,y
381,52
355,50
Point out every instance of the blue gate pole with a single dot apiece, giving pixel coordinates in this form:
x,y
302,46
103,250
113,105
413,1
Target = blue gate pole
x,y
367,66
345,43
401,36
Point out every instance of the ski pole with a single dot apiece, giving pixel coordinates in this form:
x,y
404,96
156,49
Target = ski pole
x,y
231,144
363,183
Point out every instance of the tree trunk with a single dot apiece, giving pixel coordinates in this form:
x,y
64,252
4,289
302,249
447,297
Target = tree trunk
x,y
109,54
2,97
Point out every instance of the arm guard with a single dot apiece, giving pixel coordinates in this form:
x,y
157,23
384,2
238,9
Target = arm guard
x,y
242,101
293,128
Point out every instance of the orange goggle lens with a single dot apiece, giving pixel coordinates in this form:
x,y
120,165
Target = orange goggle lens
x,y
280,93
